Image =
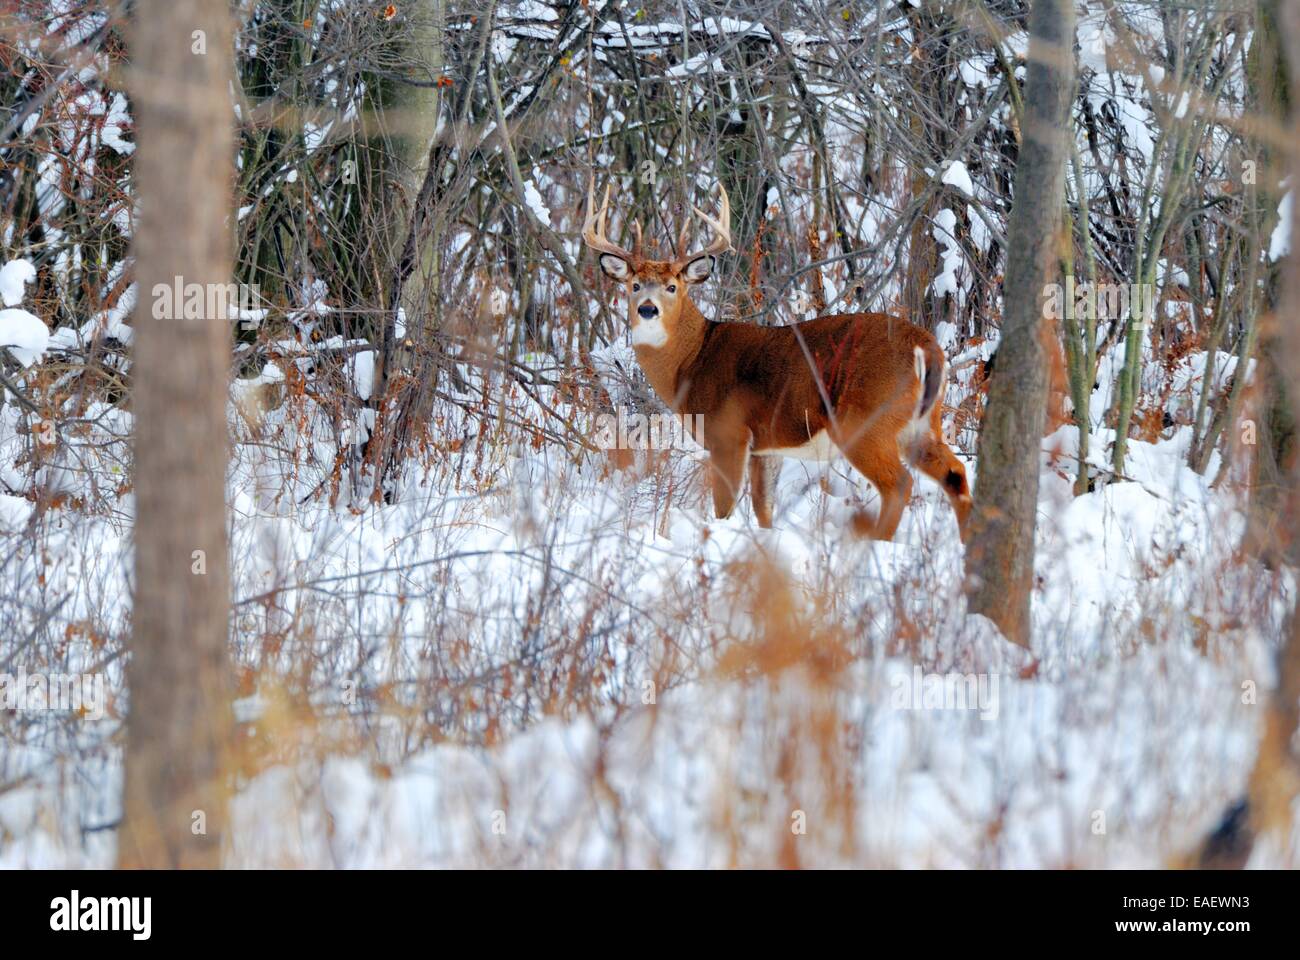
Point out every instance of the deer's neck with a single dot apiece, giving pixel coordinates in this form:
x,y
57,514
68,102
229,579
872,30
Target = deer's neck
x,y
664,366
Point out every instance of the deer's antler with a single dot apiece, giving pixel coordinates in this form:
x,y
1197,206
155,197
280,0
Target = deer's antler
x,y
721,227
593,229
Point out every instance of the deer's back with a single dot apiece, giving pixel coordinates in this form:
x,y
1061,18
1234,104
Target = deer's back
x,y
764,374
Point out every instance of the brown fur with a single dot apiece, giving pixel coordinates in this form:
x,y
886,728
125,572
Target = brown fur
x,y
756,388
1058,381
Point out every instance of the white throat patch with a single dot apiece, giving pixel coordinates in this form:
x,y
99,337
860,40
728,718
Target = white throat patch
x,y
649,333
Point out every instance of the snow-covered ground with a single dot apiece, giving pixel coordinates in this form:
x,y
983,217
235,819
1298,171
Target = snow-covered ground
x,y
532,660
532,657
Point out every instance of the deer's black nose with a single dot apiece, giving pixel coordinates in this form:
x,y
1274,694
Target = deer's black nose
x,y
648,310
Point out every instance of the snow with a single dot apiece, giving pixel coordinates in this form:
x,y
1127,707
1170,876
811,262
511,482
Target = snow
x,y
117,122
979,231
109,324
1095,36
958,176
1279,243
1148,730
315,135
14,277
1167,274
945,231
25,335
533,198
535,10
700,63
363,373
974,73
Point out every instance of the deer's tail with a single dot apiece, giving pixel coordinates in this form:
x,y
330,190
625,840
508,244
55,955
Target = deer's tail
x,y
930,368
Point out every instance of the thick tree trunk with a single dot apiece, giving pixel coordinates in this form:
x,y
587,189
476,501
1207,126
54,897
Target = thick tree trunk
x,y
1268,532
1275,779
402,157
178,730
1000,559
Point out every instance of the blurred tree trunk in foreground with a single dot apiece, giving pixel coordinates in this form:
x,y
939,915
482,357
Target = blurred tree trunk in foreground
x,y
1268,533
1275,779
178,731
1000,560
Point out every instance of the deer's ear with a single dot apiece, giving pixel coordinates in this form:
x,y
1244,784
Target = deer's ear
x,y
615,268
699,269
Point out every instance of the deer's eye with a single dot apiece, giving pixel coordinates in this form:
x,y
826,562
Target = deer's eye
x,y
636,287
672,288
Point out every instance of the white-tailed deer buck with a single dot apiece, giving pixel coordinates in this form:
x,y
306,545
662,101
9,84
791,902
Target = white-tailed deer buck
x,y
865,383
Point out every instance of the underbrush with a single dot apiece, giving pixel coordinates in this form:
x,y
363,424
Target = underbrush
x,y
548,655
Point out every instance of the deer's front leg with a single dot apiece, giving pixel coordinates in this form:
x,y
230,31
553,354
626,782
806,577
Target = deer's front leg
x,y
763,472
727,461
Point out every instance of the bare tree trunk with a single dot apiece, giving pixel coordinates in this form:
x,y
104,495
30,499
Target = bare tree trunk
x,y
1000,560
1267,72
1275,779
178,731
404,158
